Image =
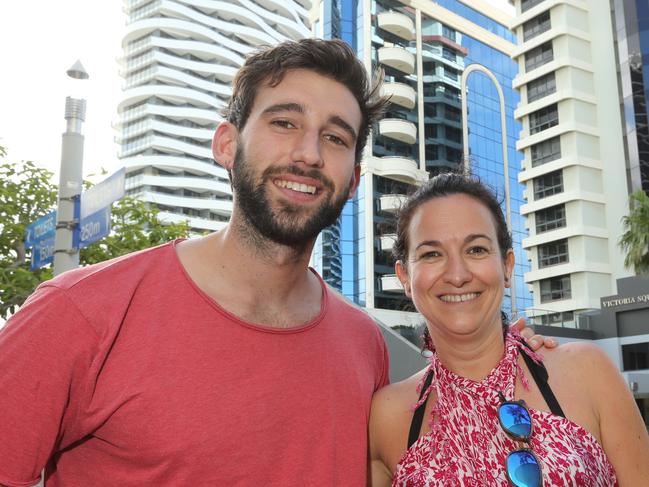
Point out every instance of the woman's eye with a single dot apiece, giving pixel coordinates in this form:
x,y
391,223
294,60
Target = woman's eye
x,y
430,254
478,250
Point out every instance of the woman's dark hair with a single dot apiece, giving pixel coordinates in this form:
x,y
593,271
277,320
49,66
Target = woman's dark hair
x,y
445,185
331,58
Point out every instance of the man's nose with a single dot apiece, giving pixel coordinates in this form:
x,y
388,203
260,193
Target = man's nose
x,y
308,149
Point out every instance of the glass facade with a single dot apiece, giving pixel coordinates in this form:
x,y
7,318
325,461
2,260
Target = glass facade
x,y
632,36
445,54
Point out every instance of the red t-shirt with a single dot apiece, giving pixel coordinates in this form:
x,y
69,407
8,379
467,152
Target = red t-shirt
x,y
125,373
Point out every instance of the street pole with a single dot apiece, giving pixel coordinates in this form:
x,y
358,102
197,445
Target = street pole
x,y
66,256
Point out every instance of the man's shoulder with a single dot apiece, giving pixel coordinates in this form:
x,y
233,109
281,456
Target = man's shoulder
x,y
113,271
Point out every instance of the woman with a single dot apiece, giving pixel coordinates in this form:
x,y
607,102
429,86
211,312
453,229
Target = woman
x,y
580,426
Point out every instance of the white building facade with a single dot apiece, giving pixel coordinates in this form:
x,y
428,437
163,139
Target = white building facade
x,y
574,159
180,57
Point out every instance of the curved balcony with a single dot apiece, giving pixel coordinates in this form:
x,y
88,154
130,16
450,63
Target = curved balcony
x,y
399,168
398,24
397,129
390,284
391,203
397,58
400,93
387,241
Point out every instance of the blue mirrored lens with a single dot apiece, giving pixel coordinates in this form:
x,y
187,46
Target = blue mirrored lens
x,y
515,419
523,469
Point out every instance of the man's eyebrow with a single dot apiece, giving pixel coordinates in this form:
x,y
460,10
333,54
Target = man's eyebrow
x,y
284,107
336,120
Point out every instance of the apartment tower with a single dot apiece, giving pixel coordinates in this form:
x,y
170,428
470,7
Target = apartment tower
x,y
180,57
574,165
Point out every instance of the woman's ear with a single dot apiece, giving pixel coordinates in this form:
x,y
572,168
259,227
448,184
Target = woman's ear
x,y
509,267
402,274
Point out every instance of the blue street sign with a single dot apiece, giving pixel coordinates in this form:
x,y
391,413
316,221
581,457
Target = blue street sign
x,y
103,194
42,253
92,228
94,209
43,228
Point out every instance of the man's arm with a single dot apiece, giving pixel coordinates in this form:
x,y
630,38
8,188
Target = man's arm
x,y
45,351
534,341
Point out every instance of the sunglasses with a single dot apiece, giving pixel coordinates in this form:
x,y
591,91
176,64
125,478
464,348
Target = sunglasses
x,y
522,466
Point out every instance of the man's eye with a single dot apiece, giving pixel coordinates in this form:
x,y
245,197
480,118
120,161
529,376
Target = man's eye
x,y
283,123
336,140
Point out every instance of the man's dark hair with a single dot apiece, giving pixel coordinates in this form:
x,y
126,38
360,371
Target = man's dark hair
x,y
331,58
445,185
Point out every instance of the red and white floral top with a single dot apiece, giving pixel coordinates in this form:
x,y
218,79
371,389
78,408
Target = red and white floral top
x,y
467,446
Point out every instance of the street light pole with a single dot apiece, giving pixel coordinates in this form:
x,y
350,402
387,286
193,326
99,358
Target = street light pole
x,y
66,256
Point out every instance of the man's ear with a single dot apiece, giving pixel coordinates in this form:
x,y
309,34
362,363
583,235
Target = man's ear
x,y
356,179
224,144
402,275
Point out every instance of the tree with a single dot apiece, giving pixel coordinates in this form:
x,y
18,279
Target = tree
x,y
134,226
635,239
26,194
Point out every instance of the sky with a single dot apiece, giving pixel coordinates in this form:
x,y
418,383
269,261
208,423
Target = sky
x,y
40,40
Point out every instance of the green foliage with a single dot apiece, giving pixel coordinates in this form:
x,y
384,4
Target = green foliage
x,y
26,194
134,226
635,240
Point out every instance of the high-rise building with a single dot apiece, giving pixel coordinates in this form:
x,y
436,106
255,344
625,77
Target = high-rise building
x,y
425,49
574,164
631,24
180,57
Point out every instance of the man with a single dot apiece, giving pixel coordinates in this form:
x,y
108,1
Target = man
x,y
222,360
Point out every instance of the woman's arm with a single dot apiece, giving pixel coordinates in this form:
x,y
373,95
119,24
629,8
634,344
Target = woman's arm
x,y
623,433
379,474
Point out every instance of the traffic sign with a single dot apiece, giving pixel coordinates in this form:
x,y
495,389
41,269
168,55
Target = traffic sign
x,y
103,194
43,228
42,253
94,211
92,228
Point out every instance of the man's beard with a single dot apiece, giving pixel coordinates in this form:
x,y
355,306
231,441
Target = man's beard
x,y
290,224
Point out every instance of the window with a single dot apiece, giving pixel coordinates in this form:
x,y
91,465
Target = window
x,y
528,4
430,130
432,152
448,33
553,253
536,26
450,73
546,151
635,356
555,288
448,54
548,184
453,134
539,88
544,119
553,319
550,218
538,56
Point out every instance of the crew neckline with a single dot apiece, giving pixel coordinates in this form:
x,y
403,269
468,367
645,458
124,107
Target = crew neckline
x,y
324,304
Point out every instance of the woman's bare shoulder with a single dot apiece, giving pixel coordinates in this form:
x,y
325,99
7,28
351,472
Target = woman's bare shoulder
x,y
397,398
577,358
